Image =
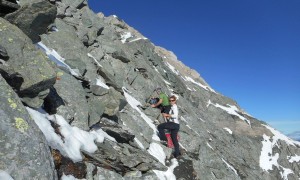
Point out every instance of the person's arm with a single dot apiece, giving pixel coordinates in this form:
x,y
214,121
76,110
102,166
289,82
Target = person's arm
x,y
158,103
174,115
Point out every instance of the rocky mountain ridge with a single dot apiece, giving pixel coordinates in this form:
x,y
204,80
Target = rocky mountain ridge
x,y
73,84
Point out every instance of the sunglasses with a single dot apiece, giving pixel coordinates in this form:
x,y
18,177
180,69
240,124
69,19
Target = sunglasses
x,y
172,100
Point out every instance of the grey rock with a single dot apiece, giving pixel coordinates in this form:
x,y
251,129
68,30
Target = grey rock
x,y
27,69
98,90
96,110
112,102
68,100
103,174
24,151
133,175
113,129
77,64
3,53
121,55
70,47
33,19
90,171
74,3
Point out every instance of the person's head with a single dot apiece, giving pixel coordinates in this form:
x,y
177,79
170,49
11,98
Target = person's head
x,y
172,99
158,90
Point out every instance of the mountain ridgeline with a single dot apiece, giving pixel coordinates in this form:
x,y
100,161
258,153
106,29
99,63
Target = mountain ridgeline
x,y
73,87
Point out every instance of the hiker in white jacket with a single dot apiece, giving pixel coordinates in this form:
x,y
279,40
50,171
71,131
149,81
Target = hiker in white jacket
x,y
172,124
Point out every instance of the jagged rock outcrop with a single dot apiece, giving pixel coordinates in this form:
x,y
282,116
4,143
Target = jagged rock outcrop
x,y
34,18
24,152
24,68
94,73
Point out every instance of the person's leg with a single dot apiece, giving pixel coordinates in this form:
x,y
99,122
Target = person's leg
x,y
161,129
174,133
168,125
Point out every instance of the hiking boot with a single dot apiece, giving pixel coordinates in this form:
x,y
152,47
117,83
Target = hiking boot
x,y
165,143
177,156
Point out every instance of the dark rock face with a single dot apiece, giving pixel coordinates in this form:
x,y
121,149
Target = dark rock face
x,y
23,148
7,6
33,19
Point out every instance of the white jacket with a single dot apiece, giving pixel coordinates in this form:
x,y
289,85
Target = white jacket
x,y
174,114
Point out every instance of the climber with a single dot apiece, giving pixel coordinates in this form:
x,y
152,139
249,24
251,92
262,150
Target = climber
x,y
172,125
163,103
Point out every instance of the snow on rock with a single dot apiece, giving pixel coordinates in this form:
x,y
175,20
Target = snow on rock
x,y
75,139
279,136
233,110
230,167
157,151
267,160
199,84
5,176
125,36
295,158
91,56
55,57
134,104
99,82
137,39
209,146
139,143
173,69
68,177
167,175
228,130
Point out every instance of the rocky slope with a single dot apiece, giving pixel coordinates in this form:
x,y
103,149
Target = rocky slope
x,y
72,86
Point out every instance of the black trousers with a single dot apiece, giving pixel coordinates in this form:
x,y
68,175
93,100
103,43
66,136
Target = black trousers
x,y
174,128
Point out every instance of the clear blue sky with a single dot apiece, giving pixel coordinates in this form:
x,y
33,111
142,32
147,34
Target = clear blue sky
x,y
248,50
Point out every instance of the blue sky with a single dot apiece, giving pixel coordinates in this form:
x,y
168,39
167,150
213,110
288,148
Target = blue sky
x,y
247,50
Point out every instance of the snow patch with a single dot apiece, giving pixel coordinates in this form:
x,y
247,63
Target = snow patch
x,y
55,57
68,177
139,143
5,176
137,39
209,146
125,36
91,56
199,84
134,104
75,139
267,160
157,151
173,69
168,175
228,130
295,158
233,110
230,167
99,82
167,82
279,136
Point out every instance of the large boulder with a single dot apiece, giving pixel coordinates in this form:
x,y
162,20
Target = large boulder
x,y
67,98
27,69
66,43
24,152
33,19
